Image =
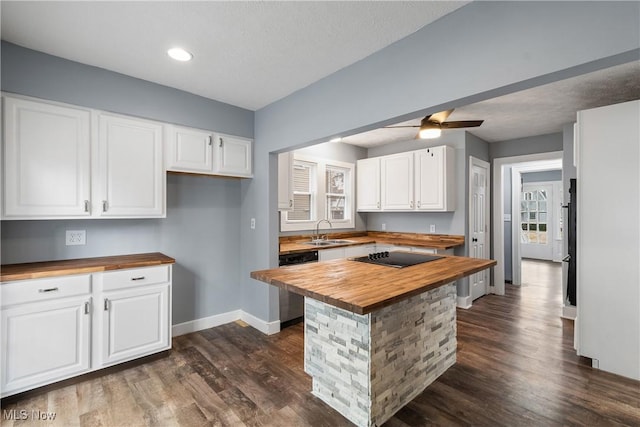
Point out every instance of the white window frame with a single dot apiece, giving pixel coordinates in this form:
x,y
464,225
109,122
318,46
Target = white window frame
x,y
319,202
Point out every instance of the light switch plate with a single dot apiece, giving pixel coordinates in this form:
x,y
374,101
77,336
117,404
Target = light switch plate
x,y
432,228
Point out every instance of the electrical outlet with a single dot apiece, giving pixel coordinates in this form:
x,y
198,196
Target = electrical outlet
x,y
76,237
432,228
253,223
384,226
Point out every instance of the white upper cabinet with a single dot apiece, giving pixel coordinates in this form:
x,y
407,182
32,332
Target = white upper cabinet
x,y
368,184
189,150
233,156
420,180
46,160
435,179
131,174
397,182
285,181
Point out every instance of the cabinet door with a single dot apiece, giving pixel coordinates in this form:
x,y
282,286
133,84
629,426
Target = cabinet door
x,y
135,323
44,342
189,150
397,181
285,181
429,178
131,174
368,184
358,251
327,254
233,156
435,179
46,160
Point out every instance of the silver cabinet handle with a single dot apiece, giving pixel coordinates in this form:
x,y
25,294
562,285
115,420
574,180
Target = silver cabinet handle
x,y
378,205
106,304
209,140
86,206
411,204
138,278
221,142
42,291
290,203
418,203
87,307
105,206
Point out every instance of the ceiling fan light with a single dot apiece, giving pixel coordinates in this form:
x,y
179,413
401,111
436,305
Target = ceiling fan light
x,y
430,133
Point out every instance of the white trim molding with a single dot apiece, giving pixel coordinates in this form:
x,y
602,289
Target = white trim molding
x,y
464,302
268,328
196,325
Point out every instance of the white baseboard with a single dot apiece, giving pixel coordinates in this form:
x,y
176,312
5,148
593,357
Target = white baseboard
x,y
569,312
268,328
464,302
205,323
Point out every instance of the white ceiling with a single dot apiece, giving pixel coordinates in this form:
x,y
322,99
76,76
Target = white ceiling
x,y
247,54
250,54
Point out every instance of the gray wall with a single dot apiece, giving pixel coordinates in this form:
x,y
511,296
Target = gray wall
x,y
544,176
500,47
520,147
202,226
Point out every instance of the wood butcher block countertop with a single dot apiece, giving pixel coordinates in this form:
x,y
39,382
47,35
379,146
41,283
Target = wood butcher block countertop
x,y
37,270
293,244
362,287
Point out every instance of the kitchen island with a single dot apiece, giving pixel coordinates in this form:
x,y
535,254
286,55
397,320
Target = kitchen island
x,y
376,336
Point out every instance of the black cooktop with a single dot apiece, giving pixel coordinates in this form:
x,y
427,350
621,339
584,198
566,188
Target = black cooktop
x,y
396,259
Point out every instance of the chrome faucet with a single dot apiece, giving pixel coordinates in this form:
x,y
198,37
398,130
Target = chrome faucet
x,y
317,235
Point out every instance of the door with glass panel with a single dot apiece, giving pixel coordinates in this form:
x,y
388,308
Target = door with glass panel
x,y
536,220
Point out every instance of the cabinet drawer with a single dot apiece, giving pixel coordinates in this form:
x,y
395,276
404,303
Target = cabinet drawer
x,y
135,277
44,289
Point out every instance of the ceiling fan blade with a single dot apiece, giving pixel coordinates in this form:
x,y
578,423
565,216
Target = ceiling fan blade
x,y
440,117
461,124
408,126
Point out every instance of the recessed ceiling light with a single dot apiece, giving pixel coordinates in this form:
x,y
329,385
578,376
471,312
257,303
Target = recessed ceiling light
x,y
179,54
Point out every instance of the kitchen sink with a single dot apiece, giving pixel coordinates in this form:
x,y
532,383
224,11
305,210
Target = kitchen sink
x,y
321,242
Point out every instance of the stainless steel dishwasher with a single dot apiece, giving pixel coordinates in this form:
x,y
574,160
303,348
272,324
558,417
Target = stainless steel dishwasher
x,y
292,305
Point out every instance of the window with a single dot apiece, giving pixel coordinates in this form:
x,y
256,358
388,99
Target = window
x,y
322,189
533,211
304,185
335,193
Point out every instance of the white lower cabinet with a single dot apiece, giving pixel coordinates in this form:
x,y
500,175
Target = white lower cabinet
x,y
147,309
328,254
46,334
58,328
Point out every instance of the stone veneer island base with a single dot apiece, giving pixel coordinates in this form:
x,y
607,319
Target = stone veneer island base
x,y
376,336
369,366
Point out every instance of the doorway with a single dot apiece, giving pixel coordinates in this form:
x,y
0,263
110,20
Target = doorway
x,y
529,181
500,181
479,192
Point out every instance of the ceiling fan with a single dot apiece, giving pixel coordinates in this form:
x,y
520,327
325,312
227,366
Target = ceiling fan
x,y
431,126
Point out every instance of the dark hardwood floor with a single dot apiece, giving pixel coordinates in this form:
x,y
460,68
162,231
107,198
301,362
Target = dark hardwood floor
x,y
516,367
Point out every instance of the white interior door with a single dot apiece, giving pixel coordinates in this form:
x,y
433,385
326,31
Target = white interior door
x,y
479,224
536,221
